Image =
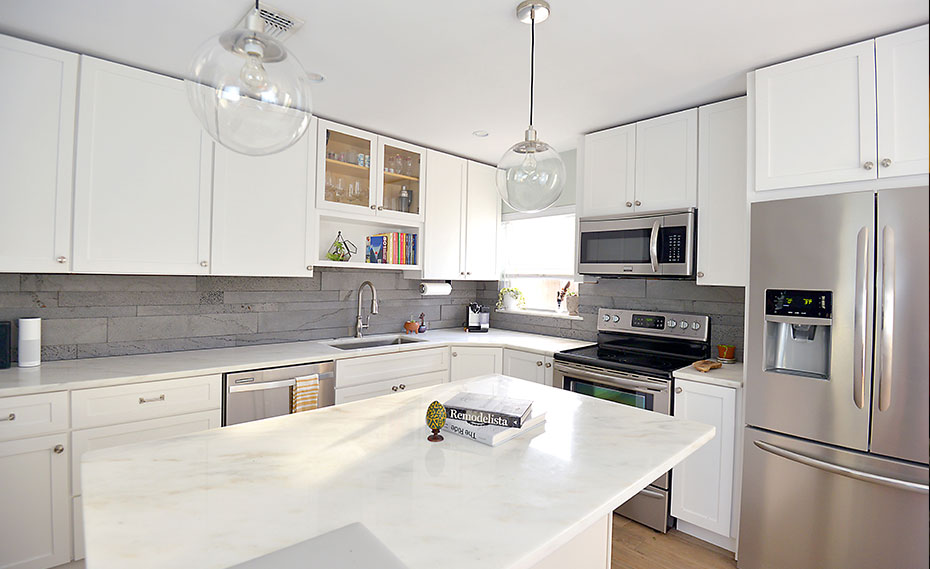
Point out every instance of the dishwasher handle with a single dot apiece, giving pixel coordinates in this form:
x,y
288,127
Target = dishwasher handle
x,y
261,386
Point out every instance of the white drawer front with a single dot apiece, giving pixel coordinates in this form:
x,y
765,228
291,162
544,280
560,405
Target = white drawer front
x,y
29,415
368,369
140,401
115,435
378,388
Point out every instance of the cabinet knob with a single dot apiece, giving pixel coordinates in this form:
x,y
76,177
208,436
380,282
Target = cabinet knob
x,y
59,449
467,273
677,390
62,259
309,267
380,208
393,388
402,386
548,364
885,163
455,354
538,363
374,207
629,204
637,202
10,417
700,274
203,263
868,165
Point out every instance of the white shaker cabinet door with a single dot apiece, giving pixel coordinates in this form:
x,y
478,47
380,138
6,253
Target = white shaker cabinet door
x,y
446,180
263,211
482,221
526,365
901,75
609,172
143,175
702,484
470,361
666,162
815,119
722,253
36,156
35,528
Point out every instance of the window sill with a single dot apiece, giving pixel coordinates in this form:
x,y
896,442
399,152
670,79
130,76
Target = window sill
x,y
544,313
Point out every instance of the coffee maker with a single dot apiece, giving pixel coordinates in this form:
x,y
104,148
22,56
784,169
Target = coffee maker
x,y
479,318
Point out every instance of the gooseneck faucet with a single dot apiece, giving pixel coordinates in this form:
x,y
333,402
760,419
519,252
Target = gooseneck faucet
x,y
374,308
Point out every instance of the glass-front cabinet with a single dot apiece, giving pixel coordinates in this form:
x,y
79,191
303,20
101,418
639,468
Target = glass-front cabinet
x,y
366,174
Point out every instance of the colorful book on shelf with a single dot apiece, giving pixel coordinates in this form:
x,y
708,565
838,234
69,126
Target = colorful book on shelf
x,y
395,248
482,409
374,250
493,435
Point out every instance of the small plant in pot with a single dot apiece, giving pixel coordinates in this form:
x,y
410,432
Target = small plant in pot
x,y
510,299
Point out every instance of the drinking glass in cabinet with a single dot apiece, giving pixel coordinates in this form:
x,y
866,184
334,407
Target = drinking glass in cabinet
x,y
401,180
343,153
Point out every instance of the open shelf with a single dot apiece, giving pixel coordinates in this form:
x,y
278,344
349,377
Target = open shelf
x,y
361,265
356,230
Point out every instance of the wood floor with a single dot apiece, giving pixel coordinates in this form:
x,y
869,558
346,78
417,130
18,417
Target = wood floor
x,y
637,547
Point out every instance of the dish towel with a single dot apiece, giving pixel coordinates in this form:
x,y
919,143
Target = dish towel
x,y
306,393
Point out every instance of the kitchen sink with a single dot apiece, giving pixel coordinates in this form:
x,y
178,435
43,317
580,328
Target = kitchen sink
x,y
359,343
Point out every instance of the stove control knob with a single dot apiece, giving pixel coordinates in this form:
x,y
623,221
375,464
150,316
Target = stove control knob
x,y
684,325
671,323
695,325
607,318
616,318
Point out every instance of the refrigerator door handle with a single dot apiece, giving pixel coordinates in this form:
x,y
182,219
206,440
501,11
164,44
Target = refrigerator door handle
x,y
887,335
842,470
862,283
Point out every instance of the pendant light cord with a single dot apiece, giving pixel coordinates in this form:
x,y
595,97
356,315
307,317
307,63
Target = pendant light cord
x,y
532,58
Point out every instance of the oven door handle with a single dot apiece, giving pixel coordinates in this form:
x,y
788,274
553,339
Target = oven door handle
x,y
619,381
654,246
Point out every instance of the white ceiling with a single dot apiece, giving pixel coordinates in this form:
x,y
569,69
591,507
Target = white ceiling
x,y
433,71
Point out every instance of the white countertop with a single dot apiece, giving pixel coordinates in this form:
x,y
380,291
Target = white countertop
x,y
220,497
728,375
99,372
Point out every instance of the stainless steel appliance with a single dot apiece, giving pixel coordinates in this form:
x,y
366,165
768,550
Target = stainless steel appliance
x,y
835,466
655,244
259,394
632,364
479,318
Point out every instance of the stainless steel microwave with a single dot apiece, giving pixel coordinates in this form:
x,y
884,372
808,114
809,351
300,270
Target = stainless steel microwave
x,y
654,244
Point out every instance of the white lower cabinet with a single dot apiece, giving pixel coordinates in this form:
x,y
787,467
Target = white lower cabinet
x,y
702,484
389,386
528,366
373,376
471,361
34,502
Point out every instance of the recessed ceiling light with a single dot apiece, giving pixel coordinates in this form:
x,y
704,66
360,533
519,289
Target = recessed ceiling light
x,y
316,77
480,133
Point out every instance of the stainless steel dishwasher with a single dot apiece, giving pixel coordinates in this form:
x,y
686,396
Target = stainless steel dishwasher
x,y
263,393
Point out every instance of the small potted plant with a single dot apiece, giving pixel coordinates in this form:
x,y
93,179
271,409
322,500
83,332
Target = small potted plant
x,y
571,303
510,298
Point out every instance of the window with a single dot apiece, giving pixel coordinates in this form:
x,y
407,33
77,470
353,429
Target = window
x,y
539,258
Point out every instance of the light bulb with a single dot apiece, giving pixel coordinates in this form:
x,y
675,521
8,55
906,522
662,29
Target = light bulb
x,y
529,163
253,73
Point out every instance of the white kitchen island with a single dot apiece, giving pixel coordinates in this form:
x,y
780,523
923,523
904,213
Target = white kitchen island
x,y
225,496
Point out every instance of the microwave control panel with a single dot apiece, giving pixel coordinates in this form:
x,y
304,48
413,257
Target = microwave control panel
x,y
673,244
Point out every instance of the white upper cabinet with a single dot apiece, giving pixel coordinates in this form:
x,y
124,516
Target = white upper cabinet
x,y
482,222
142,177
263,211
443,243
609,171
721,241
902,87
666,162
36,156
815,119
400,193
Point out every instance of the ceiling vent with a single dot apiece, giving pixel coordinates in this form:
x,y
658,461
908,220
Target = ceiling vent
x,y
278,25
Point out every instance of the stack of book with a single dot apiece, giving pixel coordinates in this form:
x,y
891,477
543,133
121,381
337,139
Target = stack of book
x,y
392,248
490,419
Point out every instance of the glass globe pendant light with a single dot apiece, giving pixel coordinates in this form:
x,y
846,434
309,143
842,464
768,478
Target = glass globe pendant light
x,y
249,92
531,174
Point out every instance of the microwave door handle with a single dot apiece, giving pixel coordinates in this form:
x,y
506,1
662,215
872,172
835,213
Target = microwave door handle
x,y
654,246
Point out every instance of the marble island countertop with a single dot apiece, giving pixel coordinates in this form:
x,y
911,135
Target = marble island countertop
x,y
220,497
99,372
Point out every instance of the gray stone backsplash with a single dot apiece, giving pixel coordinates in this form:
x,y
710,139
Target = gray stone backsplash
x,y
86,316
724,305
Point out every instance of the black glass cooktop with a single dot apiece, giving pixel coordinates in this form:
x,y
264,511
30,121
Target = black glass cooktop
x,y
636,354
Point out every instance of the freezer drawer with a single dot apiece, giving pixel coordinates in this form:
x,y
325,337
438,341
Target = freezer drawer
x,y
808,506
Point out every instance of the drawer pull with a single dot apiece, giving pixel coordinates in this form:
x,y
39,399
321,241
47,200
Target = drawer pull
x,y
402,386
59,449
10,417
152,400
393,388
538,363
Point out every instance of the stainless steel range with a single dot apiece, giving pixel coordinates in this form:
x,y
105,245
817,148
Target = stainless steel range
x,y
632,364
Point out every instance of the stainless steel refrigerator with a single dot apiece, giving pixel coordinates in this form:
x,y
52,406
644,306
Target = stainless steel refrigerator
x,y
835,462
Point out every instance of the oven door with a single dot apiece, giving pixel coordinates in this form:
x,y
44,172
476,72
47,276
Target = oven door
x,y
660,244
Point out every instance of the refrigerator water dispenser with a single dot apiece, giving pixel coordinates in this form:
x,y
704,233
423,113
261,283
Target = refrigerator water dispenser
x,y
797,332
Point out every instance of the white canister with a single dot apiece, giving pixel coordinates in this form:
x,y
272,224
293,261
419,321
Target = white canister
x,y
30,342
